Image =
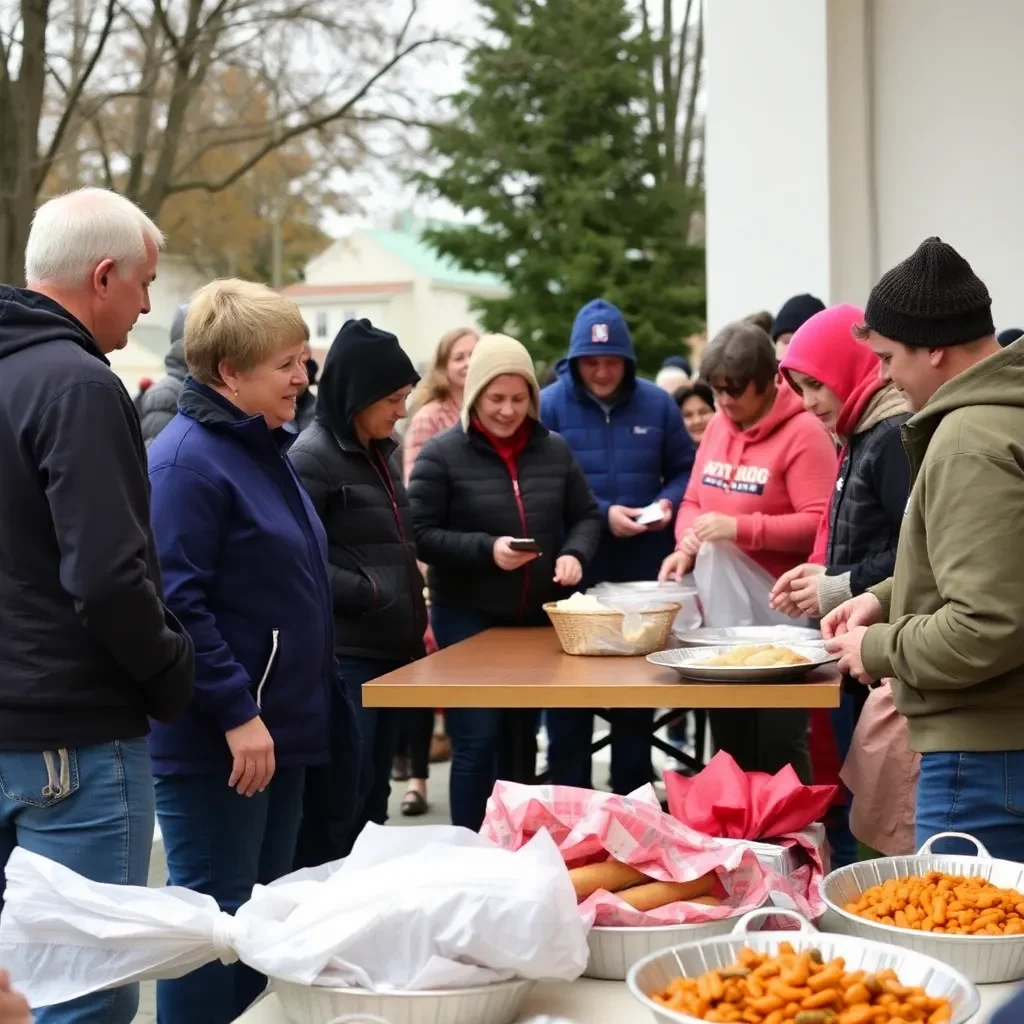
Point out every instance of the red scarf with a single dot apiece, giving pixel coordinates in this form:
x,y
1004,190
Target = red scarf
x,y
509,448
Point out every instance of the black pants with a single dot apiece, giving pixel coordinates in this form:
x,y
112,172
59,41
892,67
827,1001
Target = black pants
x,y
415,731
764,741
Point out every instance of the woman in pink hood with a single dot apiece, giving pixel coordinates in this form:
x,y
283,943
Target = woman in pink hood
x,y
839,381
762,479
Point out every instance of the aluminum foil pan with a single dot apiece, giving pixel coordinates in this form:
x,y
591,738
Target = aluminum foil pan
x,y
655,972
986,959
692,663
614,950
733,636
499,1003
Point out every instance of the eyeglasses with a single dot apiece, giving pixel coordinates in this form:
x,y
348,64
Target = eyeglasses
x,y
728,387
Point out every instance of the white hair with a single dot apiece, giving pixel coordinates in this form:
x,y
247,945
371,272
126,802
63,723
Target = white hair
x,y
670,378
73,232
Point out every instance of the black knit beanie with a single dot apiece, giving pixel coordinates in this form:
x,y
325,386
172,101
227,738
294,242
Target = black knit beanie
x,y
931,299
795,313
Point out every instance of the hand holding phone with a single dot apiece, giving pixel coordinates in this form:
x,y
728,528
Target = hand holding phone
x,y
510,558
524,544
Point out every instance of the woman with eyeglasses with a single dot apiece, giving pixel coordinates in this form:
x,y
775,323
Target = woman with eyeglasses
x,y
762,479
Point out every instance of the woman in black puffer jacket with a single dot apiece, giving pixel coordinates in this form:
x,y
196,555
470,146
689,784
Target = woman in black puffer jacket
x,y
496,475
346,462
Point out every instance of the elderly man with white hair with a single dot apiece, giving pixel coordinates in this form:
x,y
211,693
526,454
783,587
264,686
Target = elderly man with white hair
x,y
88,652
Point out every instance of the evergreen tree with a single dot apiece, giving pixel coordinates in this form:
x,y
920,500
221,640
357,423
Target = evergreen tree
x,y
550,153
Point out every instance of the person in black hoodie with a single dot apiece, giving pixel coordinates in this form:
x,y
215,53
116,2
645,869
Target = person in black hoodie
x,y
498,474
88,651
346,462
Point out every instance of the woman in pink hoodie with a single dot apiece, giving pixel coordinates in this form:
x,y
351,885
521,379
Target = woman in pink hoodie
x,y
762,479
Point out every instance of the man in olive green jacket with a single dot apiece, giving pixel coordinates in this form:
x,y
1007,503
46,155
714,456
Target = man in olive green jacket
x,y
947,630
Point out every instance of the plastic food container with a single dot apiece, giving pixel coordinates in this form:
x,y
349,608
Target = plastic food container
x,y
654,973
982,958
613,951
499,1003
682,592
624,634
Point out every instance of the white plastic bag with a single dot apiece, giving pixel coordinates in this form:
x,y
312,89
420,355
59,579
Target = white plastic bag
x,y
412,908
734,590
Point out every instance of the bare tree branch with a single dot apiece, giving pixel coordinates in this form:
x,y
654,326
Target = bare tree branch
x,y
70,107
341,111
696,83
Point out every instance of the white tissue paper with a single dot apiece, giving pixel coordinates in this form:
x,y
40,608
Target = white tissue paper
x,y
411,908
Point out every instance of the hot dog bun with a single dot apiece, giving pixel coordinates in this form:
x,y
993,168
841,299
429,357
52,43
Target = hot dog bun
x,y
611,875
660,894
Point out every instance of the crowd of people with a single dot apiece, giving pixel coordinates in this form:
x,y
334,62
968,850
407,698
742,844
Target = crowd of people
x,y
196,585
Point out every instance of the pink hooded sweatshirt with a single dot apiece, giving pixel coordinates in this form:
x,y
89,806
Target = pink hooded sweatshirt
x,y
776,479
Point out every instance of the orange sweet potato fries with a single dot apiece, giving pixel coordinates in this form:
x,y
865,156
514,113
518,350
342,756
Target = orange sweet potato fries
x,y
798,988
937,902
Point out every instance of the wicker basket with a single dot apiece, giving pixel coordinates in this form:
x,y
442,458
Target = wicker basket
x,y
600,633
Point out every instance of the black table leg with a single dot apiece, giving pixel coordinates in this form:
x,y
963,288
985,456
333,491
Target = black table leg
x,y
692,764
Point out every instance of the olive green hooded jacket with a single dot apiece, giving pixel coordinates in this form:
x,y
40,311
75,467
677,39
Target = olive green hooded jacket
x,y
954,641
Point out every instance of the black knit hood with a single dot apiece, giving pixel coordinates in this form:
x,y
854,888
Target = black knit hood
x,y
363,365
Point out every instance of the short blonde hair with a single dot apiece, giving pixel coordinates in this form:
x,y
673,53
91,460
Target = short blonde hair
x,y
240,323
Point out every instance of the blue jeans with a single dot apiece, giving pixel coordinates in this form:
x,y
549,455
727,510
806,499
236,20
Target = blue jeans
x,y
487,743
222,844
335,792
90,809
980,794
837,819
569,738
379,729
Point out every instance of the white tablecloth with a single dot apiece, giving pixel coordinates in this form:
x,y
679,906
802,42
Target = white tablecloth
x,y
598,1002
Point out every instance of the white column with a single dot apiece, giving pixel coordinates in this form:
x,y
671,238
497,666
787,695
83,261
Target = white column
x,y
787,155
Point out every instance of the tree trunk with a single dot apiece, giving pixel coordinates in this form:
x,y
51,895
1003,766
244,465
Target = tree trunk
x,y
21,100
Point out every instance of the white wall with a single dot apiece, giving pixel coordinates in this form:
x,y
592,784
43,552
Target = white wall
x,y
841,133
949,135
766,154
356,260
176,280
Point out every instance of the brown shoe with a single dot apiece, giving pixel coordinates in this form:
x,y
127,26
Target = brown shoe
x,y
440,749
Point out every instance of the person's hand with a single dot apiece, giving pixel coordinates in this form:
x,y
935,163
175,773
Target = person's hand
x,y
568,572
666,516
509,560
675,567
252,750
690,543
620,521
14,1008
848,646
714,526
863,610
796,592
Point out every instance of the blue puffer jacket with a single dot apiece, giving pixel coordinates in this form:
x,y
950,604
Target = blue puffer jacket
x,y
244,562
634,452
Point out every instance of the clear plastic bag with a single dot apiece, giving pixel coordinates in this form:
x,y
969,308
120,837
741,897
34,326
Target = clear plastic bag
x,y
642,595
734,590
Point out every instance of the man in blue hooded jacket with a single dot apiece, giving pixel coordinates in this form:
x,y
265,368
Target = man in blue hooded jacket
x,y
629,438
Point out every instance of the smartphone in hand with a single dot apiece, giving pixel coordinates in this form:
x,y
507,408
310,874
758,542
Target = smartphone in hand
x,y
523,544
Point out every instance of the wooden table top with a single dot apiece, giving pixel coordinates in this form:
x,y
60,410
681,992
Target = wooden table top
x,y
525,668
